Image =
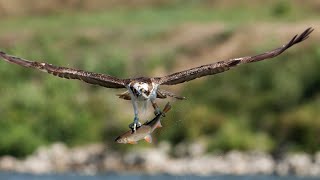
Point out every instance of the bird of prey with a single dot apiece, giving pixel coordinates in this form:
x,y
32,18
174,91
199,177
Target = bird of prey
x,y
147,88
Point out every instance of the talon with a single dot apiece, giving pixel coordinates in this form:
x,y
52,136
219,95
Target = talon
x,y
157,111
133,127
136,124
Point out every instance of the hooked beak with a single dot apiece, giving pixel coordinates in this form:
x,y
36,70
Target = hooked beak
x,y
139,93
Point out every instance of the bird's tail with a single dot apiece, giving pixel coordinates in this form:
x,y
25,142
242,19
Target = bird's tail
x,y
166,108
125,95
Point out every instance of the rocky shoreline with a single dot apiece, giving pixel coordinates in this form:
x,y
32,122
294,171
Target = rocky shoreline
x,y
95,158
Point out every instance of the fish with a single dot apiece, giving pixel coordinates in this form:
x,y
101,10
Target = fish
x,y
144,131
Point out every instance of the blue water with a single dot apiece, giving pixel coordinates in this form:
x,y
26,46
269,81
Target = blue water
x,y
20,176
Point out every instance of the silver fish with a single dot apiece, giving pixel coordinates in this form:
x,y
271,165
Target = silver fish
x,y
144,131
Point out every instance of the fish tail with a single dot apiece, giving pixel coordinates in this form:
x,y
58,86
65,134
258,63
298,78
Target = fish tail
x,y
166,108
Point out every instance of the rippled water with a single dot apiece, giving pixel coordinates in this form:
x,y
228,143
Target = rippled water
x,y
19,176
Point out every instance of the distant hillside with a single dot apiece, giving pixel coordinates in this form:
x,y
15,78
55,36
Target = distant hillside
x,y
23,7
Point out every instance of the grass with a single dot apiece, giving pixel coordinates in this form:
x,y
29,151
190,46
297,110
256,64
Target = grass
x,y
156,18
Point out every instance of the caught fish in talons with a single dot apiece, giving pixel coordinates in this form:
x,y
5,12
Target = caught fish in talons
x,y
144,131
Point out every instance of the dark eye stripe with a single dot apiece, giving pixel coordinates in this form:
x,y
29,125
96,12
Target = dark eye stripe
x,y
134,91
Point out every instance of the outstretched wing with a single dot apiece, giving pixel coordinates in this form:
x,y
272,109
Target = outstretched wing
x,y
68,73
222,66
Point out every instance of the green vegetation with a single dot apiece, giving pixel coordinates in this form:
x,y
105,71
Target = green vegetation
x,y
265,106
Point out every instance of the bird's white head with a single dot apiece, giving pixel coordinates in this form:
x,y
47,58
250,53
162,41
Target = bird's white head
x,y
141,89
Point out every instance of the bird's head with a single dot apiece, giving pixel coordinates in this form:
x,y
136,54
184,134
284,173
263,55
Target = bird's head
x,y
140,89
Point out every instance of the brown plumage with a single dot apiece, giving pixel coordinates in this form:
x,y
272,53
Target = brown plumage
x,y
172,79
145,88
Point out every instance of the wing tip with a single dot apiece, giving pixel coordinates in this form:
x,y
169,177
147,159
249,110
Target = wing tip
x,y
299,38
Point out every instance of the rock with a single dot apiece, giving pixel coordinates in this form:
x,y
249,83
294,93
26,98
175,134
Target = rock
x,y
217,165
197,149
315,170
260,163
87,159
236,162
282,168
132,159
8,163
87,154
192,160
46,159
180,150
36,165
206,165
113,162
155,160
317,158
177,166
164,146
58,155
299,164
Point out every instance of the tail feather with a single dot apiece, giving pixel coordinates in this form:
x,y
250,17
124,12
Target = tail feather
x,y
166,108
125,95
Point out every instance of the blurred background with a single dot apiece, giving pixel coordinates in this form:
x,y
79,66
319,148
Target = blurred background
x,y
270,107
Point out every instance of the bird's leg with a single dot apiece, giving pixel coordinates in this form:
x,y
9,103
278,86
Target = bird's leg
x,y
135,124
156,108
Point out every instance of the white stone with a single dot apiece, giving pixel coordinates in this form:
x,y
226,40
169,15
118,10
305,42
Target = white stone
x,y
112,162
260,163
317,158
282,168
8,163
196,149
37,166
299,163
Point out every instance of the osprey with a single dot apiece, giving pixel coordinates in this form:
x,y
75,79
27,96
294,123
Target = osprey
x,y
147,88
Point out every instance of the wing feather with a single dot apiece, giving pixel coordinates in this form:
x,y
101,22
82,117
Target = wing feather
x,y
68,73
222,66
